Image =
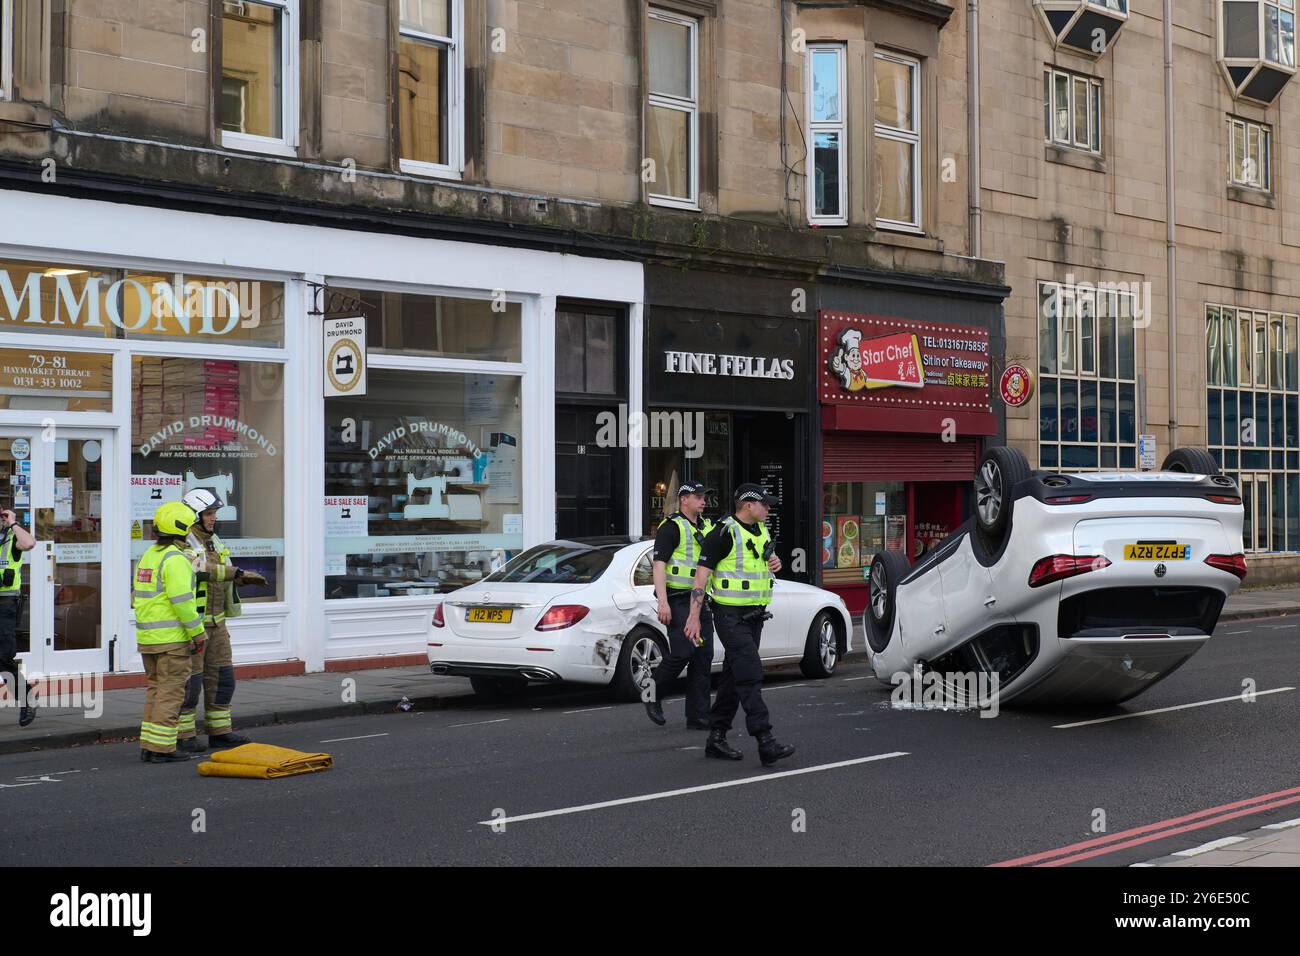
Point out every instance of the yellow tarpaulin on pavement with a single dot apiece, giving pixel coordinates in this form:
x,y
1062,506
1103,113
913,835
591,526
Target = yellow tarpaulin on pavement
x,y
263,762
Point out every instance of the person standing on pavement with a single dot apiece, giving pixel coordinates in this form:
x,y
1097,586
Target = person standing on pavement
x,y
168,629
14,540
677,549
212,670
737,567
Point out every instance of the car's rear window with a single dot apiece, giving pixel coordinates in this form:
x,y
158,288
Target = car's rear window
x,y
556,563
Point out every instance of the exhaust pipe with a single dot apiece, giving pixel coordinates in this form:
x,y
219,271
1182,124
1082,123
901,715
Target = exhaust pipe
x,y
439,668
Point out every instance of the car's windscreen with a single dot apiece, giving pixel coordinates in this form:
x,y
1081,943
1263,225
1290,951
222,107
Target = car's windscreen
x,y
556,563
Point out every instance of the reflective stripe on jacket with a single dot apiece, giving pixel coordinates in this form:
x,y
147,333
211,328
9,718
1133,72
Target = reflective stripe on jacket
x,y
162,594
742,577
220,571
680,567
11,560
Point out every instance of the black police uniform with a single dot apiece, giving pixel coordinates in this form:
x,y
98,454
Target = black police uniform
x,y
682,652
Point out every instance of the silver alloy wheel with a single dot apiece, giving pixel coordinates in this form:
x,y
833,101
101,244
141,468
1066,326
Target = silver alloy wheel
x,y
988,497
645,658
827,649
879,593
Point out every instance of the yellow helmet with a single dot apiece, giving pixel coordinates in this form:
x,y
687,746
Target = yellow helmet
x,y
174,518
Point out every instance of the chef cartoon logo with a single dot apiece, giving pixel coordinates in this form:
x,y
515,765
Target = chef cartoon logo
x,y
846,360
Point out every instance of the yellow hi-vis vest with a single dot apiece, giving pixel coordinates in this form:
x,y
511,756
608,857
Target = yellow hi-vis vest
x,y
11,560
222,575
742,577
680,568
163,597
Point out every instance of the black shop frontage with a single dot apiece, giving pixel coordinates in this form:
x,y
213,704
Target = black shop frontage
x,y
728,396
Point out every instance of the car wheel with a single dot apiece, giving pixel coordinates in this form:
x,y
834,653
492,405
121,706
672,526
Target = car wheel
x,y
1192,461
641,653
499,689
1000,470
821,653
887,569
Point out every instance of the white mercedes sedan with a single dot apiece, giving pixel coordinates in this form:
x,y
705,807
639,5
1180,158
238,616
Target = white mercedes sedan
x,y
583,612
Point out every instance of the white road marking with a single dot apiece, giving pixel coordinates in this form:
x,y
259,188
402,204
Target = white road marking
x,y
335,740
588,710
475,723
847,679
663,795
1279,627
1283,825
784,686
1141,864
696,747
1236,632
1212,845
1165,710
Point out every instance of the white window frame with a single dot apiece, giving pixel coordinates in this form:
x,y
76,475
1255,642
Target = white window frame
x,y
904,136
1280,6
839,127
455,166
1266,150
287,145
691,107
1094,108
6,49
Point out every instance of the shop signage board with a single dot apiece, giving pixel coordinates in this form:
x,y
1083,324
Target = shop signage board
x,y
345,356
1016,386
1147,452
60,380
347,515
150,491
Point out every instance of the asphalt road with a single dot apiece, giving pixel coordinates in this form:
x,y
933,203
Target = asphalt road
x,y
948,788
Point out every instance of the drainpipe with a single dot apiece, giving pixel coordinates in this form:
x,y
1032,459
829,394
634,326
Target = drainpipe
x,y
1171,249
973,125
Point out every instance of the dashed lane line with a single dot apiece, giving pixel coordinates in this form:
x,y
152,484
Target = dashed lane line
x,y
476,723
1165,710
337,740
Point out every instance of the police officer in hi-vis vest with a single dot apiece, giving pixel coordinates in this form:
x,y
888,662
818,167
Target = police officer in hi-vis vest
x,y
14,540
737,567
168,629
212,670
676,551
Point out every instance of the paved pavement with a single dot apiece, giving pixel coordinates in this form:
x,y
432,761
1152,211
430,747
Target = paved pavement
x,y
1277,844
571,777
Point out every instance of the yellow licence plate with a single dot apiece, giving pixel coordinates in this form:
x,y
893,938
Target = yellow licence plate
x,y
1162,551
489,615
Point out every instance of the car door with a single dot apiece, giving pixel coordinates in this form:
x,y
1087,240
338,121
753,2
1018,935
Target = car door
x,y
970,603
786,610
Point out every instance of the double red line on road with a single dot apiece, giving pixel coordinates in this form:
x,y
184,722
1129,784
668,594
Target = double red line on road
x,y
1100,846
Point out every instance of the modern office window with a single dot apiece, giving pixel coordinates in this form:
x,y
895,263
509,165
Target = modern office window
x,y
259,75
429,86
1248,22
827,136
1250,156
1088,385
672,110
6,48
897,154
1072,110
1253,417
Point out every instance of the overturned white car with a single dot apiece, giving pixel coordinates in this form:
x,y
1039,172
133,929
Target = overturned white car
x,y
1070,588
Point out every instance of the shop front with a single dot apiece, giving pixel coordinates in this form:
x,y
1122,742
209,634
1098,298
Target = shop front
x,y
905,412
129,376
727,394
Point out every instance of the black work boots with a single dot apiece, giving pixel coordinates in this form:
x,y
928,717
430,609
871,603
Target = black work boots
x,y
770,751
717,746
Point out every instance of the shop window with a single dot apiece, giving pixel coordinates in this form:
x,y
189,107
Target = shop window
x,y
1251,153
1087,389
217,424
1257,46
423,482
429,79
672,109
1253,417
441,326
6,49
84,300
259,76
587,354
828,136
897,153
858,520
1088,27
1072,110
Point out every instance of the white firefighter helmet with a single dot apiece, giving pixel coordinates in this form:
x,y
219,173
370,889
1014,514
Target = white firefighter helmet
x,y
201,499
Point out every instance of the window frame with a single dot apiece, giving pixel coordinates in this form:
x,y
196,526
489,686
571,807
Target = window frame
x,y
912,137
1265,132
287,144
1263,32
454,168
6,50
691,107
840,127
1093,108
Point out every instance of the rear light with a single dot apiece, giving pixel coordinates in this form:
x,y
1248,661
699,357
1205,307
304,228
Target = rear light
x,y
1068,499
1232,563
438,619
1224,499
562,616
1061,566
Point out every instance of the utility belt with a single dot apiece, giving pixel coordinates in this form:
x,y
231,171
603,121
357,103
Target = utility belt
x,y
10,596
741,612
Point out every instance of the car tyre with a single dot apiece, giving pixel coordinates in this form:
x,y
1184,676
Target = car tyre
x,y
641,653
1000,470
499,690
1192,461
887,569
821,654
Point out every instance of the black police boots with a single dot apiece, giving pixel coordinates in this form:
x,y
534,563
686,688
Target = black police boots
x,y
655,712
770,751
191,745
717,746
